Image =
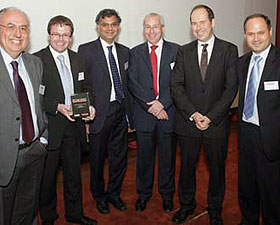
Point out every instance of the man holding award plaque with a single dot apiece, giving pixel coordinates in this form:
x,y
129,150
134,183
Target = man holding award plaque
x,y
64,102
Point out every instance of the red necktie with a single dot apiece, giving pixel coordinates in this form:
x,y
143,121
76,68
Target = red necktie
x,y
155,68
26,117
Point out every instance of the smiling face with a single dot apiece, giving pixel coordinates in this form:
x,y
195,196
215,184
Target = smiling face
x,y
14,32
202,27
153,29
257,34
108,28
60,37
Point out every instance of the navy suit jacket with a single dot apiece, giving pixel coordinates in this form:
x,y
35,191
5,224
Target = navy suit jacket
x,y
54,94
141,86
268,101
213,97
99,82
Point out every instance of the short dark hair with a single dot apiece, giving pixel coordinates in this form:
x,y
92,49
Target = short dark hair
x,y
258,15
209,11
107,13
61,20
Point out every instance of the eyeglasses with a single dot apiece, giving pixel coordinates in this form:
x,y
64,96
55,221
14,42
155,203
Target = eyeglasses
x,y
155,27
107,25
57,36
10,27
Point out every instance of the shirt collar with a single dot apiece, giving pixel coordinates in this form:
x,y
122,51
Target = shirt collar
x,y
263,54
8,59
159,44
56,53
210,42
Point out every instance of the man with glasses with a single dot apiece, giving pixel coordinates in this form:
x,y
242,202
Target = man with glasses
x,y
63,76
106,67
150,72
23,124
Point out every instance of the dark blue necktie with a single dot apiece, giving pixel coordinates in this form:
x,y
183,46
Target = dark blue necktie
x,y
116,77
252,88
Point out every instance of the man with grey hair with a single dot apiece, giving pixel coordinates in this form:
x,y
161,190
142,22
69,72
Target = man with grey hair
x,y
23,124
150,71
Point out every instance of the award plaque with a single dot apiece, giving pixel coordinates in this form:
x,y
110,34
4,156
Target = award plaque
x,y
80,105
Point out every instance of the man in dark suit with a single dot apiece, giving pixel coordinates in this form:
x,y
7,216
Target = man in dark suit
x,y
203,89
259,113
150,72
23,124
106,67
63,76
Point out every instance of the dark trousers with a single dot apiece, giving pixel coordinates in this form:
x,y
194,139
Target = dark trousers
x,y
19,200
111,141
258,180
216,152
148,143
69,154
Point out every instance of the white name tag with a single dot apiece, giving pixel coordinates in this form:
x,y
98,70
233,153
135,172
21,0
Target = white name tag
x,y
42,89
172,65
81,76
126,66
271,85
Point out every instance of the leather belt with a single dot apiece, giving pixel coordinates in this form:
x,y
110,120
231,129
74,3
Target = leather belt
x,y
25,145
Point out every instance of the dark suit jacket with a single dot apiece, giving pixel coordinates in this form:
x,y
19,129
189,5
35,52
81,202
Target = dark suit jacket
x,y
99,83
54,93
141,86
212,97
268,102
10,114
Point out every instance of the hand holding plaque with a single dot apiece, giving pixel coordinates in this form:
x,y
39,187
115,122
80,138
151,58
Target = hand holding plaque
x,y
80,105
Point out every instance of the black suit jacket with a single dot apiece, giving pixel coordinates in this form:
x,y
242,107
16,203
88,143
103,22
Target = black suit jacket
x,y
99,83
141,86
212,97
268,102
54,93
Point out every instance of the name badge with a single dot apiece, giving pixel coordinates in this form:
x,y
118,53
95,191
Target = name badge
x,y
172,65
42,89
126,66
271,85
81,76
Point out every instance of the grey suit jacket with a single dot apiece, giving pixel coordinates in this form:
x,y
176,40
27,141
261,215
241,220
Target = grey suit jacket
x,y
10,115
140,84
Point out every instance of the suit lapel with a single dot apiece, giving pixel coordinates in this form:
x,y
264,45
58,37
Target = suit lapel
x,y
193,57
269,64
74,69
214,60
120,60
146,56
5,79
100,56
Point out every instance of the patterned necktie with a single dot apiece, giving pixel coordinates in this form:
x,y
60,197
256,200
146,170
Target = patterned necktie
x,y
252,88
116,77
26,117
204,61
154,67
65,80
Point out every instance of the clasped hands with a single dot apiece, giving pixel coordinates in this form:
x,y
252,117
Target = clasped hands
x,y
201,122
157,110
67,112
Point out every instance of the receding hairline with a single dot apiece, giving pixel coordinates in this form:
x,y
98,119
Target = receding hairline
x,y
154,15
10,9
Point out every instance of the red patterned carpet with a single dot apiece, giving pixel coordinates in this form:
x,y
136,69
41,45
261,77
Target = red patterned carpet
x,y
154,215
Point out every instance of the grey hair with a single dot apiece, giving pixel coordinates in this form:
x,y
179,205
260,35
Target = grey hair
x,y
8,9
154,14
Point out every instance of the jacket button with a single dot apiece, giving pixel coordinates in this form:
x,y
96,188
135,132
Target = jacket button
x,y
17,118
16,139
